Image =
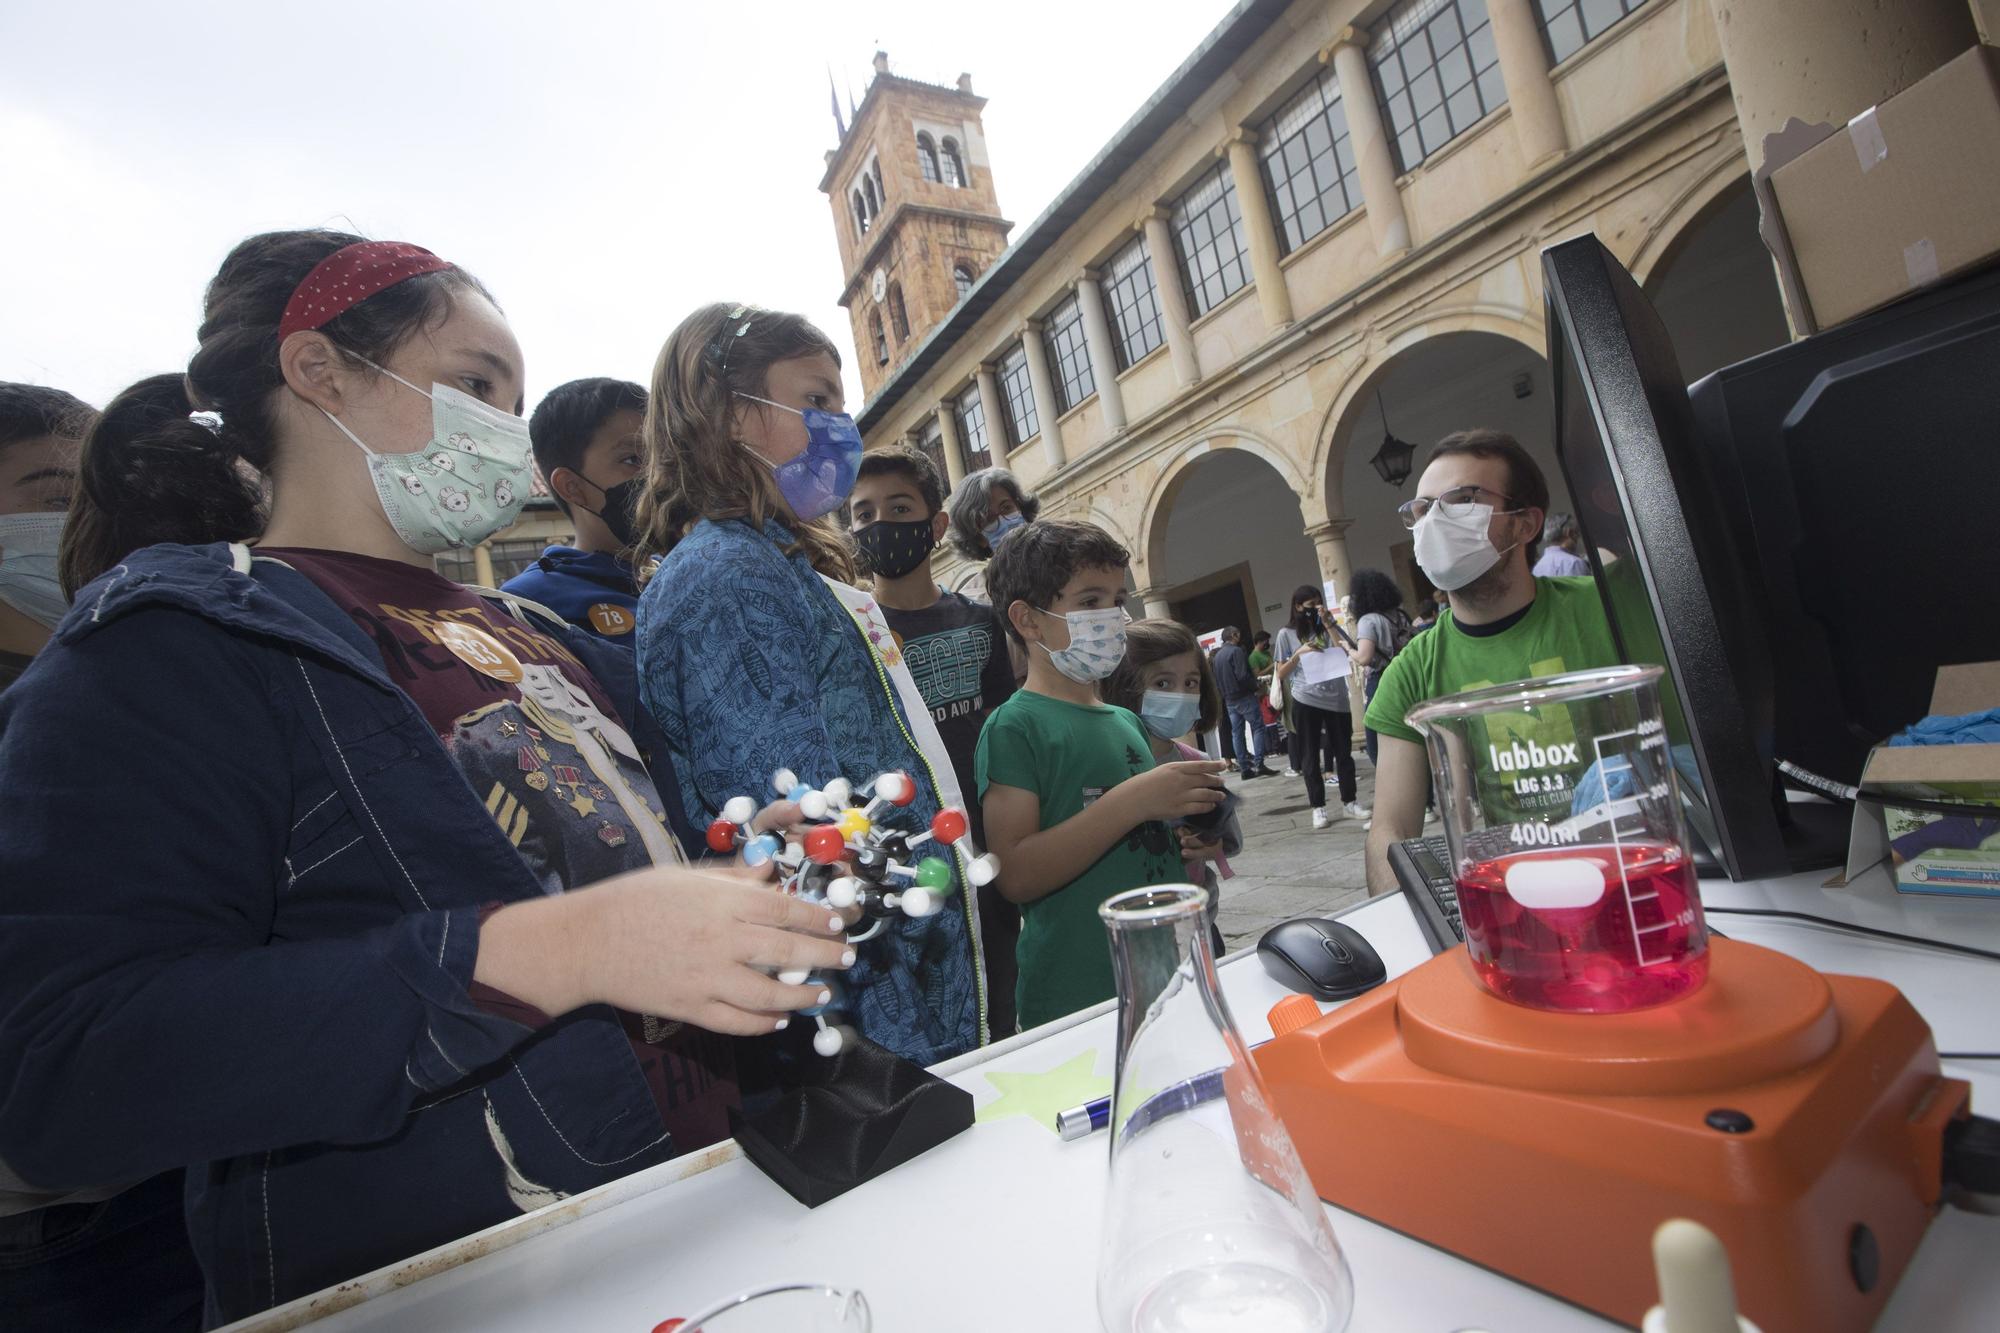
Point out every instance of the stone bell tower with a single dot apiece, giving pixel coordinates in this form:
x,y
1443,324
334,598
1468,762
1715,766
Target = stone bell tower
x,y
914,212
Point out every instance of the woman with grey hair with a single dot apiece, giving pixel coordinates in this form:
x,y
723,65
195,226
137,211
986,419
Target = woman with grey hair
x,y
985,507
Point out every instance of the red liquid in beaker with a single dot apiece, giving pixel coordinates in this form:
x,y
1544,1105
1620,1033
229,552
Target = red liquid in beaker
x,y
1537,938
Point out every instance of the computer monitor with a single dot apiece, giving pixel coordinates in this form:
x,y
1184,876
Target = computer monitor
x,y
1662,547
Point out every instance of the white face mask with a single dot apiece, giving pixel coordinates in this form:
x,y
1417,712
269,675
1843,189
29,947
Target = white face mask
x,y
1096,643
28,581
463,486
1452,544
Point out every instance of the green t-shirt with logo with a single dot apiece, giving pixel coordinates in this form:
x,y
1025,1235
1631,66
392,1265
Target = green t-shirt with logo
x,y
1069,755
1565,630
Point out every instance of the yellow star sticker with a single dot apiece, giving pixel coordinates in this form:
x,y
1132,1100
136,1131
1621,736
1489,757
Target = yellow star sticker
x,y
582,804
1041,1096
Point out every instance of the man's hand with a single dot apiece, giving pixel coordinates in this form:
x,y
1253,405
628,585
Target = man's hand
x,y
1402,777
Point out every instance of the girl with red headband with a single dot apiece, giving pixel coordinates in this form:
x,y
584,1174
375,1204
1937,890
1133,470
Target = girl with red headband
x,y
296,832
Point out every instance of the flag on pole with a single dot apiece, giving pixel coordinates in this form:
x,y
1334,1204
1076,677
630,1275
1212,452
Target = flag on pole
x,y
833,98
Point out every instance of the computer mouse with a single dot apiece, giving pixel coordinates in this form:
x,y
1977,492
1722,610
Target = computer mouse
x,y
1325,959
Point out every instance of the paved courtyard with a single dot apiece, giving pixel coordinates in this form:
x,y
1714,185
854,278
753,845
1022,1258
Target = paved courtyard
x,y
1286,868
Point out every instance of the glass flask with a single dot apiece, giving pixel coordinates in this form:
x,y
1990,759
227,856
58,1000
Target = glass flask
x,y
791,1307
1562,811
1210,1221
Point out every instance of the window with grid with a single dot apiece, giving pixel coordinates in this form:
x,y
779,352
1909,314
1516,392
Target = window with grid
x,y
1436,73
1567,24
954,165
899,319
971,415
927,159
961,279
1309,164
1132,303
931,441
1208,233
1062,335
1018,397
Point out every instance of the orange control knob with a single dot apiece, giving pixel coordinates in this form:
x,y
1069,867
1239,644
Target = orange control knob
x,y
1293,1012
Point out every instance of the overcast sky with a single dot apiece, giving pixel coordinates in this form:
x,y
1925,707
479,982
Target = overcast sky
x,y
603,167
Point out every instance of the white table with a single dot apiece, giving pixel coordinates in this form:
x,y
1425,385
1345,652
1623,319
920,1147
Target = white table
x,y
998,1228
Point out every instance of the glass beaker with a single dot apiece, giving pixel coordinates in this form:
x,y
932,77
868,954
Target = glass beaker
x,y
1562,811
1210,1221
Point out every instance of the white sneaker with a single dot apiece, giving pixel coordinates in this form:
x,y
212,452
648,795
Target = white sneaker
x,y
1355,810
1430,816
1321,818
1291,772
1367,824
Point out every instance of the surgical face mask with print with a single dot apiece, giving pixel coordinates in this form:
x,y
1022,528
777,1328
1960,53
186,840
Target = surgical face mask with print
x,y
1169,714
463,486
1096,643
1452,544
818,480
999,528
28,581
894,549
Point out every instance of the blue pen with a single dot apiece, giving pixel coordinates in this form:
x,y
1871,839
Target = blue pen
x,y
1082,1121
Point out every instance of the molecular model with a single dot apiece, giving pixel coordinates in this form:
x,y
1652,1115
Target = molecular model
x,y
847,860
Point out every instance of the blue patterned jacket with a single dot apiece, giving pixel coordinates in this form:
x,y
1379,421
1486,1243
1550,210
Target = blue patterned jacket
x,y
749,665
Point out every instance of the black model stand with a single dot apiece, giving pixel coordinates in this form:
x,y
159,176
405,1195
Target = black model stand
x,y
846,1120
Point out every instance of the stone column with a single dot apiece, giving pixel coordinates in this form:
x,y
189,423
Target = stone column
x,y
1349,56
1830,60
1260,229
954,454
1524,68
1329,541
482,566
1154,600
990,409
1172,298
1103,360
1044,389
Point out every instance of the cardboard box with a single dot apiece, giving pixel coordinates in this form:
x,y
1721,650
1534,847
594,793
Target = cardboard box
x,y
1931,852
1905,195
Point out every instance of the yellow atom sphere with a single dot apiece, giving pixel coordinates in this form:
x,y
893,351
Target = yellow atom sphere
x,y
853,824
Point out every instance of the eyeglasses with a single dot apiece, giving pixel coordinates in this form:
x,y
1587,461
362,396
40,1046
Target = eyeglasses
x,y
1454,501
718,347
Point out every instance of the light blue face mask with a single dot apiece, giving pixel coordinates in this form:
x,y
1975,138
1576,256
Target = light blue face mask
x,y
999,528
1169,714
28,581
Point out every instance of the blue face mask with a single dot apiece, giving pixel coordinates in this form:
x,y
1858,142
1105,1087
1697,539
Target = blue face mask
x,y
818,480
1169,714
999,528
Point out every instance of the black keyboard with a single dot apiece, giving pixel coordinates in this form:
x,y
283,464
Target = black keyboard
x,y
1423,868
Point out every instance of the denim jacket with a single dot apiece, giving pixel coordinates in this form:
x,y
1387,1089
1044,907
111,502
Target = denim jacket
x,y
240,893
749,665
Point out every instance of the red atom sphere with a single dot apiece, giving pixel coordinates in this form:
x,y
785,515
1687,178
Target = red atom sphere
x,y
722,837
948,826
824,845
668,1325
909,790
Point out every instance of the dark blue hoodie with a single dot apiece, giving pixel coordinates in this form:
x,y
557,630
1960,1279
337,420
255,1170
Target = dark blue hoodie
x,y
589,589
240,892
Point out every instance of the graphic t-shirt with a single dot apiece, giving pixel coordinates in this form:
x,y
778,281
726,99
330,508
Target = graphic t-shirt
x,y
541,745
957,653
1069,755
589,589
1564,629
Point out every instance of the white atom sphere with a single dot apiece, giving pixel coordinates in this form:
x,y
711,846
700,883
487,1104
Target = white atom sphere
x,y
783,781
814,806
828,1041
983,870
918,902
839,794
892,786
739,810
843,893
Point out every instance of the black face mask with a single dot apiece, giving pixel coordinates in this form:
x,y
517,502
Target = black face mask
x,y
1306,621
894,549
621,506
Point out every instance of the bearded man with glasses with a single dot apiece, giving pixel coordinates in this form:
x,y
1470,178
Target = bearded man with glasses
x,y
1476,522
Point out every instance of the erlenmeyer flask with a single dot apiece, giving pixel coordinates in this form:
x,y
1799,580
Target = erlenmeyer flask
x,y
1210,1222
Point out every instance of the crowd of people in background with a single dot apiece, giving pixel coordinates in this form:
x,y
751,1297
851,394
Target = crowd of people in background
x,y
348,910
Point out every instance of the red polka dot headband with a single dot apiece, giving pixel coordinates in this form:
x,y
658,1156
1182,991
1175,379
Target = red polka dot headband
x,y
349,276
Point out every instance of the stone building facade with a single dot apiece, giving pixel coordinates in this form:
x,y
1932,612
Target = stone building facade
x,y
1324,228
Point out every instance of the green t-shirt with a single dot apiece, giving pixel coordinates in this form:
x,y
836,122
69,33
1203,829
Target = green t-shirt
x,y
1564,630
1069,755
